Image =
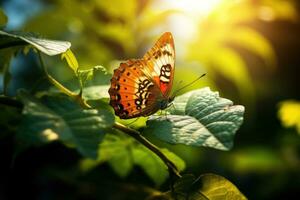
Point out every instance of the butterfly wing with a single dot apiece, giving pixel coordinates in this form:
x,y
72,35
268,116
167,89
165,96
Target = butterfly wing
x,y
160,61
132,93
138,86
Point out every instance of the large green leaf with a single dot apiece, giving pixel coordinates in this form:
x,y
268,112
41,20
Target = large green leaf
x,y
49,47
57,117
205,187
116,148
214,187
199,118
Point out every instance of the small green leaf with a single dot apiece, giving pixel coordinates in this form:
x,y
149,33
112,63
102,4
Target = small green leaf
x,y
97,72
200,118
214,187
49,47
57,117
3,18
71,60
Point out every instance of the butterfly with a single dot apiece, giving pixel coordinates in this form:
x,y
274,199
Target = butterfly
x,y
141,87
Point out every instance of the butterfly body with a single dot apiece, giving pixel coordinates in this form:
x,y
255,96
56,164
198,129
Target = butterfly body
x,y
141,87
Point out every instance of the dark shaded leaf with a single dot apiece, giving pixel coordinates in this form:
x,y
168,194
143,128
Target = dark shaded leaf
x,y
57,117
115,148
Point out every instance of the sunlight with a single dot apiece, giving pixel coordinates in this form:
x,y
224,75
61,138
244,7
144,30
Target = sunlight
x,y
196,8
184,25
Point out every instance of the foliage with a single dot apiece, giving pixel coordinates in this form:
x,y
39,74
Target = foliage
x,y
248,50
71,119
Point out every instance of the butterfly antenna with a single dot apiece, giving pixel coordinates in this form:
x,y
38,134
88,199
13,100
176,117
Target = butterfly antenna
x,y
191,83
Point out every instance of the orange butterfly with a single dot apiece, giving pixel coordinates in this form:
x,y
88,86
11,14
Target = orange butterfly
x,y
141,87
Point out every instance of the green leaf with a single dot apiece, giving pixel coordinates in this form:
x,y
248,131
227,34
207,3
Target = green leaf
x,y
95,73
113,149
206,187
57,117
214,187
200,118
49,47
120,147
153,165
3,18
71,60
96,92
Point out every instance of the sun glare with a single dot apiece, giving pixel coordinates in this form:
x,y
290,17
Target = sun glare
x,y
184,25
197,8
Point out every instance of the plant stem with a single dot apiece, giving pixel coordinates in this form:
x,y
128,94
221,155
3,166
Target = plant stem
x,y
135,134
55,82
62,88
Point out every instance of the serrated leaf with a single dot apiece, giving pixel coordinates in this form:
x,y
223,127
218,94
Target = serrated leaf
x,y
3,18
97,72
71,60
205,120
214,187
59,118
49,47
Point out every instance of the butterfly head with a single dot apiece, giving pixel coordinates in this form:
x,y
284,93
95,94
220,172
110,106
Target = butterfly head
x,y
165,103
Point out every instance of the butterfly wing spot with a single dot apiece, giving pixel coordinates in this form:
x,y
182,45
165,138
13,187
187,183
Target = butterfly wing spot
x,y
118,97
165,73
166,52
120,107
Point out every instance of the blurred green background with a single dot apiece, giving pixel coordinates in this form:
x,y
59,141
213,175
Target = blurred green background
x,y
248,48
